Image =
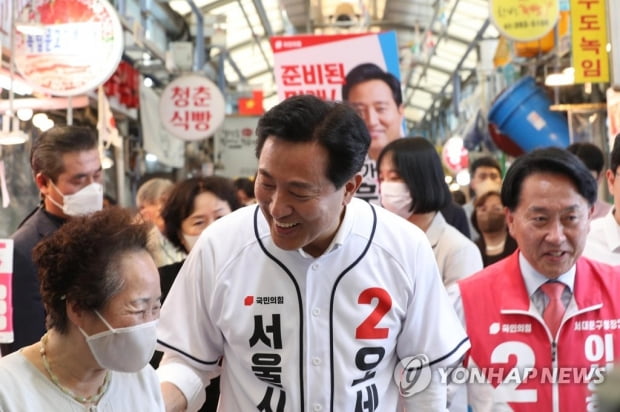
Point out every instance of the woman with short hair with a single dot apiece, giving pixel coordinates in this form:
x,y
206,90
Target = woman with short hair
x,y
412,185
101,292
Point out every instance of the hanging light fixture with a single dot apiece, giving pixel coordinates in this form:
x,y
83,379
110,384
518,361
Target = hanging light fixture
x,y
106,158
11,134
564,78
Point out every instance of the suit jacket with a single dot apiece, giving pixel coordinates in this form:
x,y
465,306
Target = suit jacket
x,y
28,311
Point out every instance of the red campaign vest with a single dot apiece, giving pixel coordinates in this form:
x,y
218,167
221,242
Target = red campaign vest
x,y
505,333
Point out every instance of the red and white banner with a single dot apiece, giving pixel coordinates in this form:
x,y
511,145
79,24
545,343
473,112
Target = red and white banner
x,y
318,64
6,303
192,107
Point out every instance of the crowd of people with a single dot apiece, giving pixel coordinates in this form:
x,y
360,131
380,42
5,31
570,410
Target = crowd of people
x,y
342,277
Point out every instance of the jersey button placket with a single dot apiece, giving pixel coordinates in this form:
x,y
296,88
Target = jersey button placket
x,y
317,350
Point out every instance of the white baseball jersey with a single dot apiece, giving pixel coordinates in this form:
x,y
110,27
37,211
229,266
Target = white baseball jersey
x,y
298,333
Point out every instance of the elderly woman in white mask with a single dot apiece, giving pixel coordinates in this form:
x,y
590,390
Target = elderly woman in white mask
x,y
100,288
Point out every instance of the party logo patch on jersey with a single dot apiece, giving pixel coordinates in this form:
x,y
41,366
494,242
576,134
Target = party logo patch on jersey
x,y
497,327
263,300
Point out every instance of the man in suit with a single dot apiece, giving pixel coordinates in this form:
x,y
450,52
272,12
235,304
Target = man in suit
x,y
543,321
67,170
376,96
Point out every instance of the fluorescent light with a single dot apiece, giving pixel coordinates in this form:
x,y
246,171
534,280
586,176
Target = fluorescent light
x,y
43,122
565,78
463,178
12,138
150,157
49,123
106,162
19,87
39,119
10,133
454,187
24,114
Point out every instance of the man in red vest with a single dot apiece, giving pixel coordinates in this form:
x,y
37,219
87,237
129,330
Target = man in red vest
x,y
544,323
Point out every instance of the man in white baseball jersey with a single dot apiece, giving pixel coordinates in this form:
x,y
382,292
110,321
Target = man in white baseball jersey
x,y
311,299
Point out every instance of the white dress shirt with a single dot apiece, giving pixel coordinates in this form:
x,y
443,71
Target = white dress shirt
x,y
603,241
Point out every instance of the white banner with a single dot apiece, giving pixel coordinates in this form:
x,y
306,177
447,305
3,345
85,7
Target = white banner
x,y
234,145
156,140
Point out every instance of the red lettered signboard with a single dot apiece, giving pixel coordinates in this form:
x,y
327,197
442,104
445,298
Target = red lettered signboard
x,y
192,107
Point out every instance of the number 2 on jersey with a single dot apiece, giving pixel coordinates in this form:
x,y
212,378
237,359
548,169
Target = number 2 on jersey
x,y
368,328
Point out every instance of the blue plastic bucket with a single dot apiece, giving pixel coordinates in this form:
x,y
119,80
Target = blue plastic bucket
x,y
522,113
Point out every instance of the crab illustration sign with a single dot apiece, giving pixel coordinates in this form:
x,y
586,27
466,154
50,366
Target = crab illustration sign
x,y
67,47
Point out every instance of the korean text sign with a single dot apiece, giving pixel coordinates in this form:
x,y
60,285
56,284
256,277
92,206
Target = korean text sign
x,y
192,107
589,41
318,64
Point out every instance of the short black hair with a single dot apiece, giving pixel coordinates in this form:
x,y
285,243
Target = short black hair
x,y
419,165
335,126
590,154
370,71
47,149
246,184
614,158
548,160
484,161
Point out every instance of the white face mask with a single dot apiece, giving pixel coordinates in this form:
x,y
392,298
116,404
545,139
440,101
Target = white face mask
x,y
190,240
396,198
86,200
124,349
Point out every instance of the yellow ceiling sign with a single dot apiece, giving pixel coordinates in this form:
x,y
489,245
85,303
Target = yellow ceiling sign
x,y
524,20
